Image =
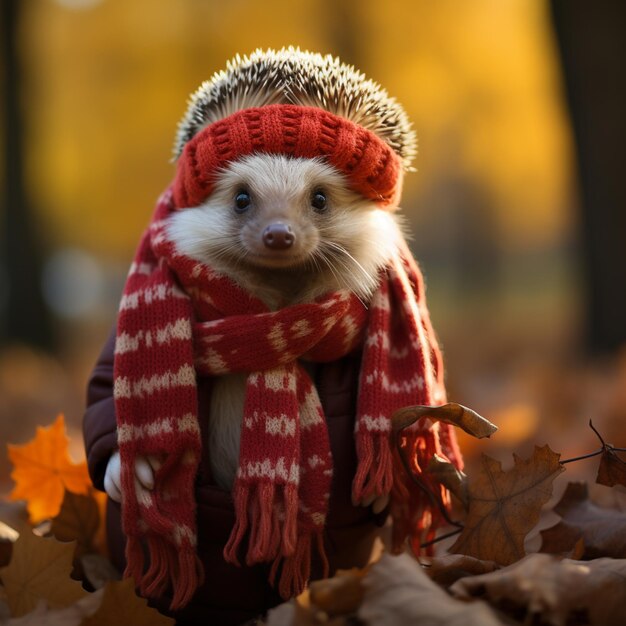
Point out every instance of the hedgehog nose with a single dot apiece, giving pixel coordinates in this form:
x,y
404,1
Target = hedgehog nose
x,y
278,236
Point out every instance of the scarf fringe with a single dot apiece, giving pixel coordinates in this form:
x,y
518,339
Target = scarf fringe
x,y
295,570
374,473
415,519
190,577
179,567
271,511
156,579
134,559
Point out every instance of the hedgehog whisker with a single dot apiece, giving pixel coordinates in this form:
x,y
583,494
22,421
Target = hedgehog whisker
x,y
341,281
322,256
227,250
339,248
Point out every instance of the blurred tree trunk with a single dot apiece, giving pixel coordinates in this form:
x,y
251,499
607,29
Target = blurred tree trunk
x,y
592,40
25,317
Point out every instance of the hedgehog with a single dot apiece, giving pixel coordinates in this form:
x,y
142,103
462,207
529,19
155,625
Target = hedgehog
x,y
274,278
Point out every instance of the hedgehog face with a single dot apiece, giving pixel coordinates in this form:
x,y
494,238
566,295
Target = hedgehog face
x,y
271,204
276,223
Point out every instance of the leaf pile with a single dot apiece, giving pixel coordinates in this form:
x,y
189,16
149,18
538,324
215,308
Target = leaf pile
x,y
38,575
488,578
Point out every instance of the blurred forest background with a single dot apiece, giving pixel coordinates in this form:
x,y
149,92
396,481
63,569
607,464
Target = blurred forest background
x,y
515,205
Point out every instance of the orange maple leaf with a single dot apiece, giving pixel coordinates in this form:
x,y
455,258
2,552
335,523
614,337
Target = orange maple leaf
x,y
43,471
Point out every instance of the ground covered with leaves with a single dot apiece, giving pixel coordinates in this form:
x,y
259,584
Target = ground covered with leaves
x,y
512,557
53,567
489,576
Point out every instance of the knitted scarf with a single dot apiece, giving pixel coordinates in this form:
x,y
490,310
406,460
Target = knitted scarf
x,y
179,318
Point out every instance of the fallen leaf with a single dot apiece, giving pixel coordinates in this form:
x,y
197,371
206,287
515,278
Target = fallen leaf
x,y
450,477
14,514
43,471
562,539
451,413
98,570
40,569
504,506
448,568
72,615
297,612
78,520
340,595
283,615
601,530
397,592
612,470
555,590
121,601
607,498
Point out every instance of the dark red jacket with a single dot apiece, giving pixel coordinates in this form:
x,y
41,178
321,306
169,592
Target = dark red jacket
x,y
233,595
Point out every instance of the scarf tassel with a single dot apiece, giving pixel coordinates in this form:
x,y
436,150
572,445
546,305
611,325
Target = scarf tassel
x,y
374,474
271,511
414,517
134,559
190,577
295,570
180,567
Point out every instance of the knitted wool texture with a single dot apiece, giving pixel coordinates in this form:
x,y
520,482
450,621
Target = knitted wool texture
x,y
168,335
372,167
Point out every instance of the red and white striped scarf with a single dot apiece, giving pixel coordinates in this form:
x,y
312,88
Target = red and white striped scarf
x,y
178,318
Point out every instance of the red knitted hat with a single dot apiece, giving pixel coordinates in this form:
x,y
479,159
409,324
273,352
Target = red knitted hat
x,y
372,167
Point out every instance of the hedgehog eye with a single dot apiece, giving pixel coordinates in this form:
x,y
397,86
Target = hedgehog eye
x,y
318,201
242,202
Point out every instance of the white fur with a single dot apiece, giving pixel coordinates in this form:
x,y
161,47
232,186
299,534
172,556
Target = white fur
x,y
340,249
226,411
343,248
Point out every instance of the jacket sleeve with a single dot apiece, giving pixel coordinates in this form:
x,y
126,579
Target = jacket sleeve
x,y
99,422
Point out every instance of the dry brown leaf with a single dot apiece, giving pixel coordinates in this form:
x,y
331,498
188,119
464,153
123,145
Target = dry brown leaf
x,y
602,530
121,605
448,568
556,590
292,613
450,477
283,615
562,539
451,413
560,542
43,471
340,595
78,520
70,616
328,602
612,470
98,570
298,612
398,592
40,569
504,506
